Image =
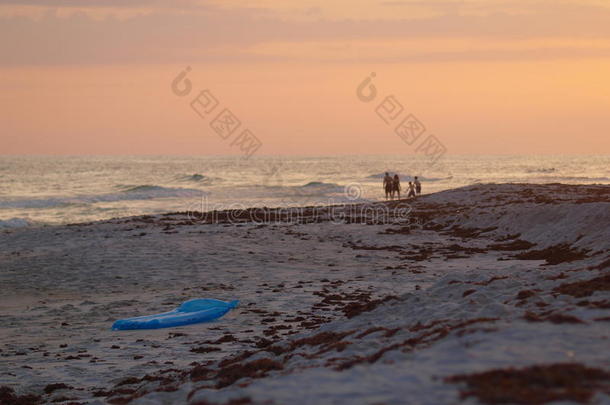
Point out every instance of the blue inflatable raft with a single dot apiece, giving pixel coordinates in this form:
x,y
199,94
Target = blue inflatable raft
x,y
192,311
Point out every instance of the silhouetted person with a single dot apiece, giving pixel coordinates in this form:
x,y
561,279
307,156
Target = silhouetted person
x,y
411,190
387,185
417,186
396,186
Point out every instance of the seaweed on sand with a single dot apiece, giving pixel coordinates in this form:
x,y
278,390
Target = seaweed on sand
x,y
535,384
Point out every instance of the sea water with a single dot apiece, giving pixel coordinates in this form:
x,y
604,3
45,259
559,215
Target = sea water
x,y
38,190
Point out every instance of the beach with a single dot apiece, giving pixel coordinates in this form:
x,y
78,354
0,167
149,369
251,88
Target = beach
x,y
304,203
414,301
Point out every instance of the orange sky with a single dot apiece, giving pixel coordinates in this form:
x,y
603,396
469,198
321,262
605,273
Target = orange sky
x,y
483,76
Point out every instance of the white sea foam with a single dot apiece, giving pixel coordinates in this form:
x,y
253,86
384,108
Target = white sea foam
x,y
407,177
14,223
79,189
145,192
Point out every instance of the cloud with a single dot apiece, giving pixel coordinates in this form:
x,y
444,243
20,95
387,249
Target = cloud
x,y
217,35
97,4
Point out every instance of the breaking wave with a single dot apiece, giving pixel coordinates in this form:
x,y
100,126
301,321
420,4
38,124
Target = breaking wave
x,y
311,189
14,223
195,178
540,170
143,192
407,177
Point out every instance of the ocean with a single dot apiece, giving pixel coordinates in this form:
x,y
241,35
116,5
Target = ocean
x,y
39,190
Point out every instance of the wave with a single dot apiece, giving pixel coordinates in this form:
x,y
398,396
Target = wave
x,y
407,177
14,223
195,178
311,189
148,192
145,189
380,175
315,188
143,192
319,184
540,170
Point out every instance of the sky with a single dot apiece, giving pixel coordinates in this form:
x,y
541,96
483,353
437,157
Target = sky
x,y
481,76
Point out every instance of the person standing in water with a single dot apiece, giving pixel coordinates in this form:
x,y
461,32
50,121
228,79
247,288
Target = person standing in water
x,y
387,185
396,186
411,190
417,186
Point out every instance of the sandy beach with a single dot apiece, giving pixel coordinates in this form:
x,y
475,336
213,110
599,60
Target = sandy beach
x,y
425,301
322,202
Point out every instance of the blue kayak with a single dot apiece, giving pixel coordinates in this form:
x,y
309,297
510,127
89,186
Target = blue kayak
x,y
192,311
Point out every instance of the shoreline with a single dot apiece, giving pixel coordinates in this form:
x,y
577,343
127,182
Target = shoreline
x,y
475,253
400,208
245,209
